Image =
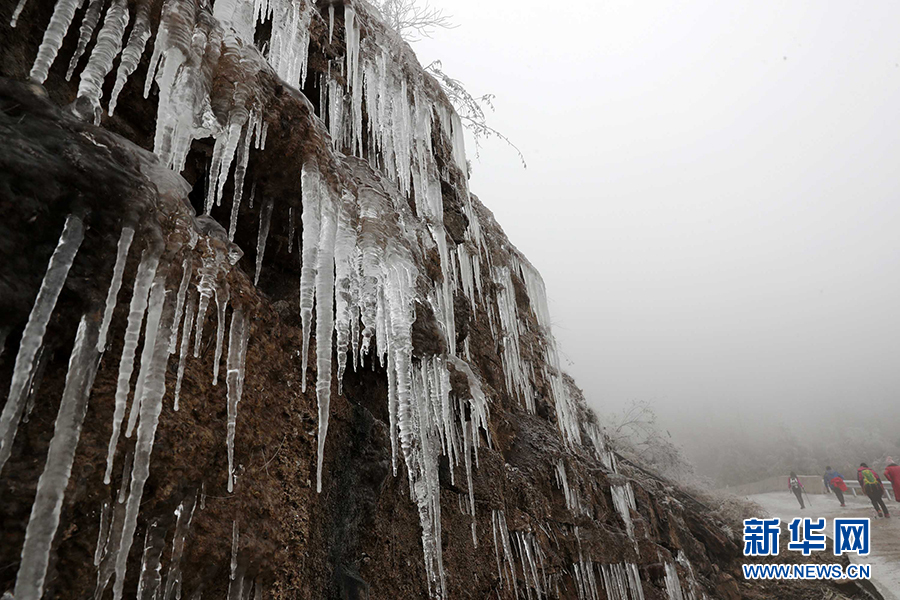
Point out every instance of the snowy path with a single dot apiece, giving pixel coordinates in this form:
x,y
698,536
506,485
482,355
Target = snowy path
x,y
885,555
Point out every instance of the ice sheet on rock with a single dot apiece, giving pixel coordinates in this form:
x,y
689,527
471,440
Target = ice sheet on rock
x,y
235,539
673,584
51,488
33,335
150,577
103,533
570,492
184,514
623,500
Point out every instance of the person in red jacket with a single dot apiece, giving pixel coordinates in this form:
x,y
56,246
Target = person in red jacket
x,y
892,474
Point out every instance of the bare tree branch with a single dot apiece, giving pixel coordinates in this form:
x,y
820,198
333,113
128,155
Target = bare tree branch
x,y
471,109
413,19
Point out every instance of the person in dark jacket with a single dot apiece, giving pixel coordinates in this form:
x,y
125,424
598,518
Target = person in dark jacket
x,y
871,485
892,474
796,487
834,481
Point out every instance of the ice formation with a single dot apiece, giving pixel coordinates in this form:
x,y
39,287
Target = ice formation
x,y
141,289
622,581
362,275
52,485
673,585
238,338
623,500
125,239
35,328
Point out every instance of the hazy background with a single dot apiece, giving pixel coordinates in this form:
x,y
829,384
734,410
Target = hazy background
x,y
711,197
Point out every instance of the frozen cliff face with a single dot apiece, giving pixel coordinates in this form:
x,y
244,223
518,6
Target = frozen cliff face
x,y
282,349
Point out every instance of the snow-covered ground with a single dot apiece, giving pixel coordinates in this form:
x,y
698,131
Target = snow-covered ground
x,y
885,555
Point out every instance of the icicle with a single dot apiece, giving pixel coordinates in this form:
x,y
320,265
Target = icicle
x,y
134,50
33,335
467,449
623,500
346,286
125,239
106,49
106,566
324,322
52,484
145,274
183,351
240,171
88,23
330,21
16,13
238,336
311,196
146,432
151,567
222,294
265,218
235,537
187,269
56,30
151,331
184,514
291,232
673,585
103,534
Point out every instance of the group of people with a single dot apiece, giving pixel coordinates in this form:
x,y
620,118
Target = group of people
x,y
868,480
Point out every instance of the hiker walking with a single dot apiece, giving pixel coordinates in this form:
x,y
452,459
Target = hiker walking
x,y
871,485
834,481
892,474
795,486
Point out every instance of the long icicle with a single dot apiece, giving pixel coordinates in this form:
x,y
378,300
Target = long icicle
x,y
143,279
51,487
154,313
310,189
115,284
234,379
183,351
146,433
56,30
33,335
324,322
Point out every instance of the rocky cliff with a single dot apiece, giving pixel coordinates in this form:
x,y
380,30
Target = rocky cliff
x,y
261,341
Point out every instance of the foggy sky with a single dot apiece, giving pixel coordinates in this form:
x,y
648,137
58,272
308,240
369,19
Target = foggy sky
x,y
711,194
